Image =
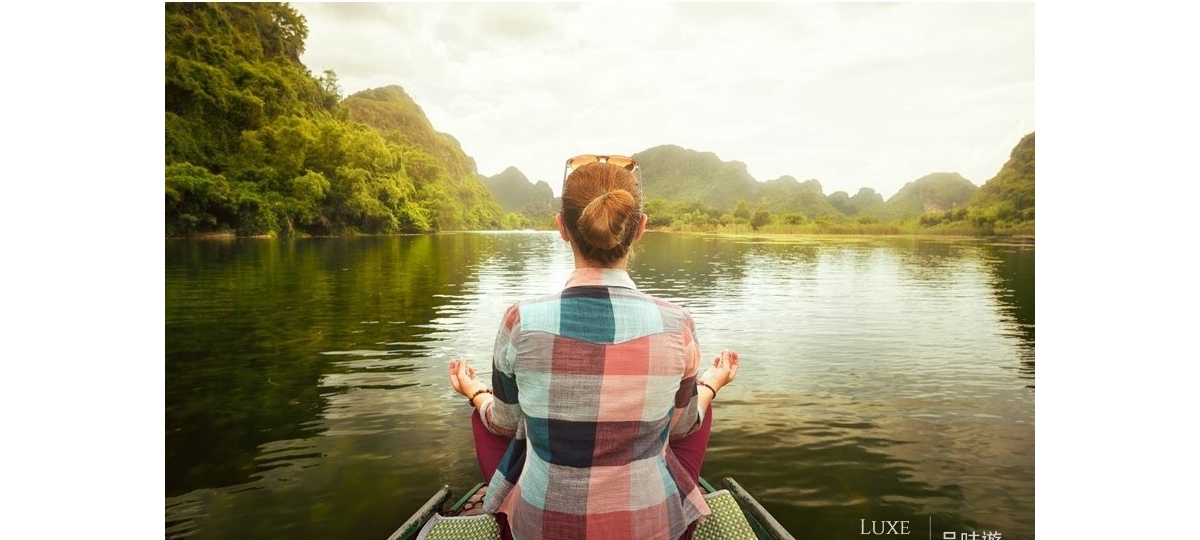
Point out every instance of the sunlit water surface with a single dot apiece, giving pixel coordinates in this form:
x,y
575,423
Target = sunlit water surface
x,y
882,378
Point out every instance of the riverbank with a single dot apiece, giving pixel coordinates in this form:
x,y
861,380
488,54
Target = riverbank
x,y
962,229
1023,233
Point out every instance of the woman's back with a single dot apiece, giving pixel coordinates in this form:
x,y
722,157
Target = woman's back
x,y
598,371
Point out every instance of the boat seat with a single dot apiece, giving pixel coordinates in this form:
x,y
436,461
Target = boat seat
x,y
477,527
727,522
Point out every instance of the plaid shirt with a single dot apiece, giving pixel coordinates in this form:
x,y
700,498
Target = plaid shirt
x,y
591,383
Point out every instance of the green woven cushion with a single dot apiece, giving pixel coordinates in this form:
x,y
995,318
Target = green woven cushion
x,y
478,527
727,521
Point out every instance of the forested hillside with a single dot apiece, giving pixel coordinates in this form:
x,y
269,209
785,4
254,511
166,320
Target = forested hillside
x,y
1008,197
450,186
673,173
255,144
786,194
933,193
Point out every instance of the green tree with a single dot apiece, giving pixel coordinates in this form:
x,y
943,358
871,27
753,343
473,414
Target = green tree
x,y
197,200
761,218
742,212
658,214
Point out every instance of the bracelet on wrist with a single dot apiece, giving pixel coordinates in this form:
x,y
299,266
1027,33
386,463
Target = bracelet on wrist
x,y
708,386
471,399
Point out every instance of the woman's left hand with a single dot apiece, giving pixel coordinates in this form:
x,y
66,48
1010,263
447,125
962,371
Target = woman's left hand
x,y
724,369
462,378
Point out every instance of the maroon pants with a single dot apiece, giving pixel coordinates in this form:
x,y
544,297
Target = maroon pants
x,y
490,448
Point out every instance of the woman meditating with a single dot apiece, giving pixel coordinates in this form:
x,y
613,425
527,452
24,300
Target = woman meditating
x,y
598,417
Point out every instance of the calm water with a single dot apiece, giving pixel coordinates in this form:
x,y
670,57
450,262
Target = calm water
x,y
882,378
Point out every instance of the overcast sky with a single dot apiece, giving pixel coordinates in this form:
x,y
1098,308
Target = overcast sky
x,y
853,95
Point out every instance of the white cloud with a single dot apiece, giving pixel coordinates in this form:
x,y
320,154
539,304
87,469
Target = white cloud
x,y
854,95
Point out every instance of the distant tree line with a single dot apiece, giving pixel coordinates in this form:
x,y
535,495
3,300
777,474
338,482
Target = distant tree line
x,y
692,191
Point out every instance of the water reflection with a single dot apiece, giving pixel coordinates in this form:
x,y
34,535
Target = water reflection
x,y
1012,266
883,378
288,358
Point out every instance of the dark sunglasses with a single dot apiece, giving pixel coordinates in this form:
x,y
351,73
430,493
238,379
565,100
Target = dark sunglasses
x,y
578,161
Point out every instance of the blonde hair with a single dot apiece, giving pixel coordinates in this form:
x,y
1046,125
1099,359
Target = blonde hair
x,y
601,209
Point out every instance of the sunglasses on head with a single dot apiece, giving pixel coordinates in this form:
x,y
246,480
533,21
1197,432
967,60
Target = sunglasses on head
x,y
578,161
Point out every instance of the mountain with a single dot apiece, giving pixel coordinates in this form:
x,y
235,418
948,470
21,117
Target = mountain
x,y
1009,196
451,174
932,193
681,175
866,199
786,194
516,193
674,173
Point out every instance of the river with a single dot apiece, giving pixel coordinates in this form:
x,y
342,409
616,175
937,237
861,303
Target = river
x,y
883,378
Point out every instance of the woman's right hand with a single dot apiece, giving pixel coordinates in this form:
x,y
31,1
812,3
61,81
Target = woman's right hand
x,y
724,369
463,378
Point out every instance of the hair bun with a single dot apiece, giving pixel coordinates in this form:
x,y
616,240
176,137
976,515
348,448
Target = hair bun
x,y
603,221
601,211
